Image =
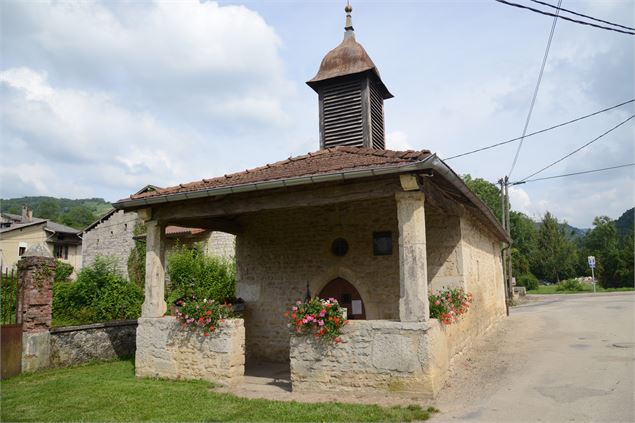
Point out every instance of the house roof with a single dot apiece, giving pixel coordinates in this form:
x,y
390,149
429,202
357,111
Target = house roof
x,y
50,225
319,163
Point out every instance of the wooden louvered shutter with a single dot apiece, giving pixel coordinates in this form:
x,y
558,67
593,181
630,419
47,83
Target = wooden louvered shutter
x,y
341,114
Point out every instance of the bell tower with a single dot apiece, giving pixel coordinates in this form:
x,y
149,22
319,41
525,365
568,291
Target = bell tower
x,y
351,95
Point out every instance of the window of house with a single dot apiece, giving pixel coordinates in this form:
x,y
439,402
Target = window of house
x,y
60,251
21,251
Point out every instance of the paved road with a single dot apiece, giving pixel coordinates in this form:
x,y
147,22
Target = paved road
x,y
565,358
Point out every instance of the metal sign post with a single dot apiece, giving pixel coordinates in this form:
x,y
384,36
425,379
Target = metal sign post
x,y
591,260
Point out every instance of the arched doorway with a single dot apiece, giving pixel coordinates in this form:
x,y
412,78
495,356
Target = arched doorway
x,y
346,294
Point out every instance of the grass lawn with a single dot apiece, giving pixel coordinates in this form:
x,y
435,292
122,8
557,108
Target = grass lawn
x,y
110,392
551,289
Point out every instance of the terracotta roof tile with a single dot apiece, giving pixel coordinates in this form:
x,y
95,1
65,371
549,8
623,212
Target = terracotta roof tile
x,y
322,162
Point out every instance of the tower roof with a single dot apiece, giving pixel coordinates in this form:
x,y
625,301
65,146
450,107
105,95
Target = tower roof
x,y
348,58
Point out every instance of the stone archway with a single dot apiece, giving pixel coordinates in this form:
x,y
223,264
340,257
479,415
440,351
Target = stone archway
x,y
348,297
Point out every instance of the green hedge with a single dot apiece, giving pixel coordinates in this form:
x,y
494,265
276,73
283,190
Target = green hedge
x,y
529,281
99,294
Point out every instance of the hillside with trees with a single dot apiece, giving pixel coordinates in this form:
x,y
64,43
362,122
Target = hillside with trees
x,y
74,213
553,250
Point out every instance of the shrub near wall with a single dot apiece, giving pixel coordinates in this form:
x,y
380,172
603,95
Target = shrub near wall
x,y
99,294
195,274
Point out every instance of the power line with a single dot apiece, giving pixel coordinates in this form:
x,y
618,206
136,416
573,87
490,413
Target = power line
x,y
542,12
577,149
533,100
572,174
582,15
498,144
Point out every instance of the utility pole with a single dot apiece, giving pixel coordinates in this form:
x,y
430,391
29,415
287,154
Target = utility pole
x,y
505,249
507,252
509,232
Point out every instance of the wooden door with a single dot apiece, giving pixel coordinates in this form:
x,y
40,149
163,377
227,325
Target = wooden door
x,y
346,294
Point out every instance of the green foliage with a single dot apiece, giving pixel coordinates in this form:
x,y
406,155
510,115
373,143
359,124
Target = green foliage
x,y
555,255
528,280
570,285
488,192
137,259
614,259
111,392
99,294
193,273
63,271
75,213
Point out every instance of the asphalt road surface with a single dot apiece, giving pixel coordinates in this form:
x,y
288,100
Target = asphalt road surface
x,y
564,358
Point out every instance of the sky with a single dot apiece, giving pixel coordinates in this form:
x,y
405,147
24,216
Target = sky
x,y
99,99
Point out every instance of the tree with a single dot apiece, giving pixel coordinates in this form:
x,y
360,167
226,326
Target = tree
x,y
489,193
78,217
523,232
614,265
48,209
555,255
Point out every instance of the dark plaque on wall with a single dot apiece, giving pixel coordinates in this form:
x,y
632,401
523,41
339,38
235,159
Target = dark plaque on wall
x,y
382,243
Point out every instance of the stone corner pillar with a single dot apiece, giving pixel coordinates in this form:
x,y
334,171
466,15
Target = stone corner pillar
x,y
154,303
36,272
413,274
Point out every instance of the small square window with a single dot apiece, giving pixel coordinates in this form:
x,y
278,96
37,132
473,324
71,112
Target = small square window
x,y
382,243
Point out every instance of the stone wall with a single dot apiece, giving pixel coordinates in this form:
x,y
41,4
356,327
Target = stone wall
x,y
279,252
164,349
74,345
444,252
112,238
374,356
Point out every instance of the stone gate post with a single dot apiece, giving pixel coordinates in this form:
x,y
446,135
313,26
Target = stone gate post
x,y
36,271
413,272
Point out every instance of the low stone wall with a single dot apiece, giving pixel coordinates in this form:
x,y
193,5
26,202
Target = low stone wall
x,y
165,350
375,355
74,345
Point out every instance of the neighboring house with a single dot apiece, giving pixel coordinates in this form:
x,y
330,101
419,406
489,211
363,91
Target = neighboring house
x,y
19,232
377,229
113,235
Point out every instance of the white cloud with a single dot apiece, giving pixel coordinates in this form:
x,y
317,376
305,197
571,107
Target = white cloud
x,y
398,140
116,96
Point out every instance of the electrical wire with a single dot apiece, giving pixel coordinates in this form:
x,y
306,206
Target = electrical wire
x,y
542,12
577,149
582,15
498,144
533,99
572,174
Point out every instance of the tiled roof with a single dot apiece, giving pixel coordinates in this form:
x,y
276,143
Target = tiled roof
x,y
322,162
172,231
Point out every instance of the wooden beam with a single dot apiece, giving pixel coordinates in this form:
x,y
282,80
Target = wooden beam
x,y
283,198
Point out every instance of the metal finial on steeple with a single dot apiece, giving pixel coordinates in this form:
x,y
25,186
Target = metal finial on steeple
x,y
349,21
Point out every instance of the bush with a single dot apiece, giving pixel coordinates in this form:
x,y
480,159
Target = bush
x,y
63,271
194,274
570,285
99,294
529,281
137,259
